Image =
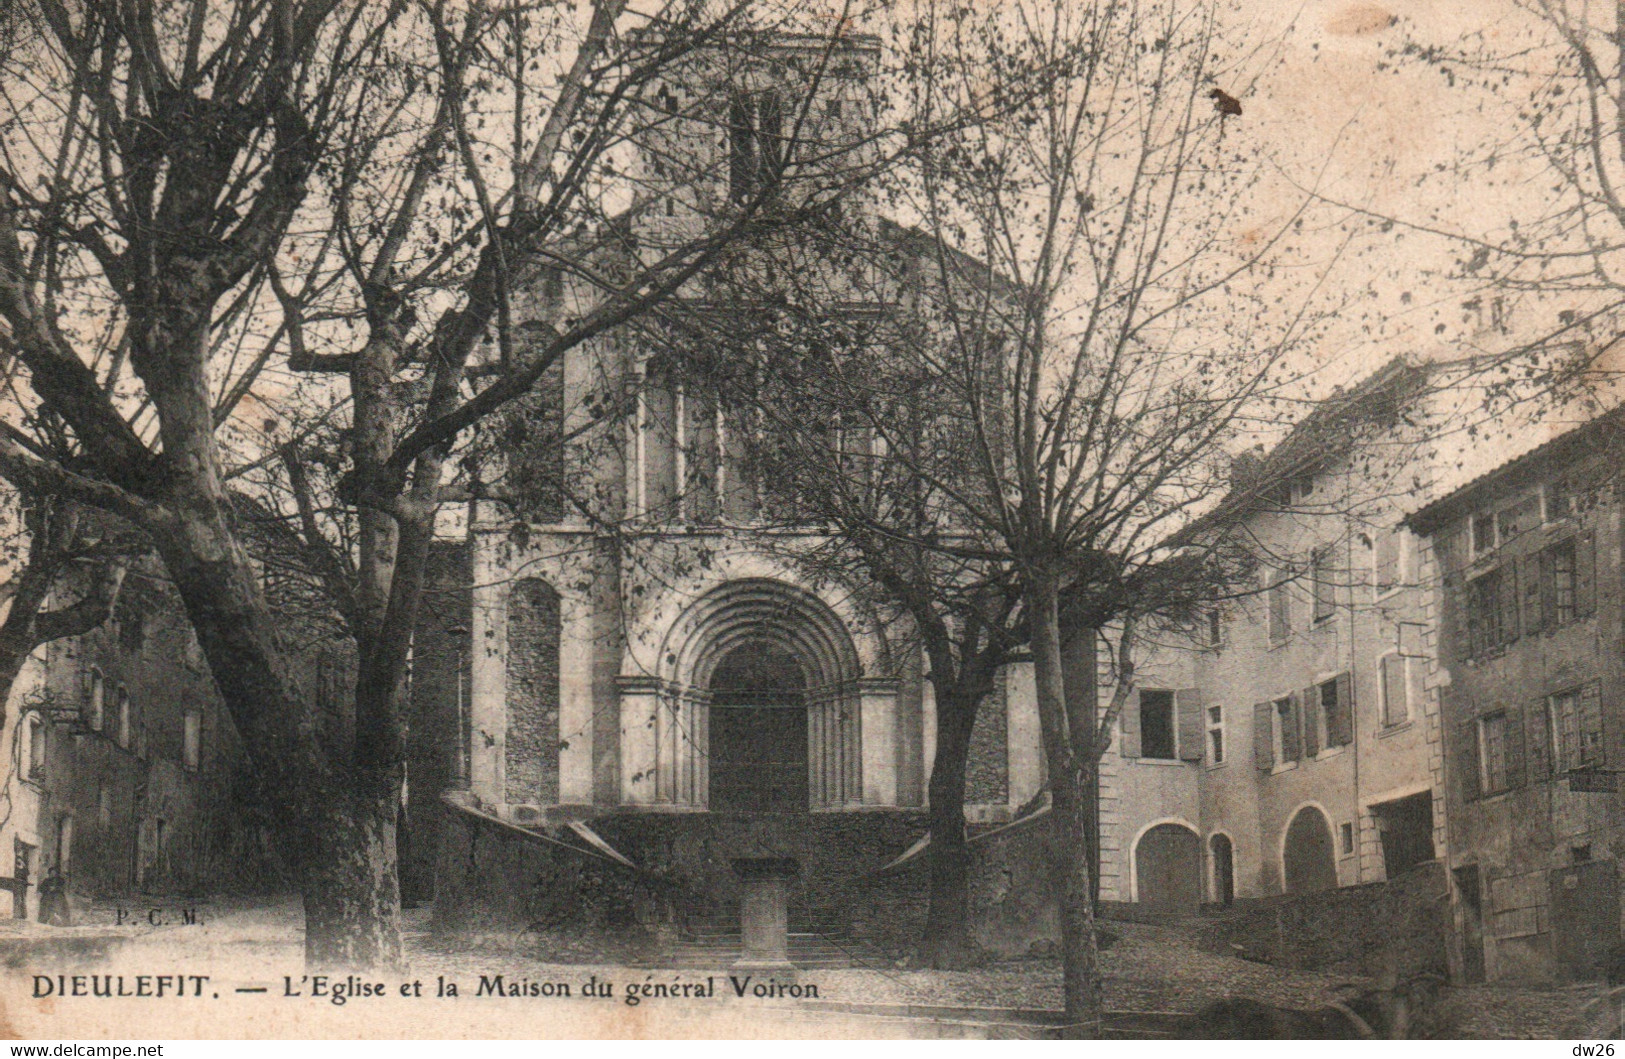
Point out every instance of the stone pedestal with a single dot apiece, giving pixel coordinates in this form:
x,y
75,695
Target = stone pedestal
x,y
764,913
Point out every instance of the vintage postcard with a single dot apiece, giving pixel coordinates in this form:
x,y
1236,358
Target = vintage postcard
x,y
812,519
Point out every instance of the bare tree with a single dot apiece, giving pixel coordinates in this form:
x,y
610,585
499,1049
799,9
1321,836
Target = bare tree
x,y
309,221
1083,340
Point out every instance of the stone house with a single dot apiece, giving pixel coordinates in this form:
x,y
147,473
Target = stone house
x,y
125,772
1290,744
1526,559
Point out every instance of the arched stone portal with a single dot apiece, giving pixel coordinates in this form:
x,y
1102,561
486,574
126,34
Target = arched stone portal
x,y
667,717
1168,868
1306,855
758,746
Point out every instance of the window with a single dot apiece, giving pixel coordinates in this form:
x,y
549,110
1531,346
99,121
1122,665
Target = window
x,y
104,804
32,753
1562,562
1483,534
1288,739
1560,501
1492,753
1280,605
1345,835
1215,627
1389,561
1562,589
1576,720
1157,724
1322,583
123,703
1492,610
191,740
1517,520
96,714
1396,689
755,142
1334,710
1215,735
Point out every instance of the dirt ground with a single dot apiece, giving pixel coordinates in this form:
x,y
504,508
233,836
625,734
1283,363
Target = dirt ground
x,y
1150,967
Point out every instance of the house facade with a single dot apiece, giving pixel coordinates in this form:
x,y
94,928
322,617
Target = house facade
x,y
1526,560
125,774
1289,744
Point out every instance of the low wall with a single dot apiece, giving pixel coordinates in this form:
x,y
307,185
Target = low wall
x,y
1402,924
492,879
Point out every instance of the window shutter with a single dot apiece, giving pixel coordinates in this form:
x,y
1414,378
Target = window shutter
x,y
1188,705
1311,712
1340,727
1453,625
1590,707
1534,579
1263,736
1292,731
1508,601
1585,574
1467,757
1129,723
1516,773
1538,759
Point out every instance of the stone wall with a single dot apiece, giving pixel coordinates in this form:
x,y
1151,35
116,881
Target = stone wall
x,y
533,693
1404,922
987,764
494,879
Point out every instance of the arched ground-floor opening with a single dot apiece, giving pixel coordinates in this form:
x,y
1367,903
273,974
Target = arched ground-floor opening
x,y
1168,868
1306,855
758,744
1222,855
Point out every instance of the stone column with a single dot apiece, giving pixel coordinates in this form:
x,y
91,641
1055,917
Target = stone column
x,y
764,913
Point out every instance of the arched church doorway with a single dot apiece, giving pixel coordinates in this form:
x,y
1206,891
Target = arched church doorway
x,y
1168,868
1307,855
758,729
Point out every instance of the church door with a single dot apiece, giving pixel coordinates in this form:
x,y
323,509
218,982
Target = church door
x,y
758,728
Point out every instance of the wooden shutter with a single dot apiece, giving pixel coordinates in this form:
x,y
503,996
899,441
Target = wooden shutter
x,y
1590,706
1535,576
1188,707
1264,736
1340,726
1516,773
1585,574
1129,723
1292,730
1507,601
1453,623
1537,743
1467,763
1310,720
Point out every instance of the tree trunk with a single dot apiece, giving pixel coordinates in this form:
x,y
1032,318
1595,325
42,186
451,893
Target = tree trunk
x,y
1079,679
350,886
1070,776
947,943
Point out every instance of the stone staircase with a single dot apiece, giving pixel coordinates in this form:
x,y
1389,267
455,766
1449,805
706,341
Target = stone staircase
x,y
712,941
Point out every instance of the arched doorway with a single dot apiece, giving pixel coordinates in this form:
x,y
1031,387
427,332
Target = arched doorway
x,y
1168,868
758,745
1307,854
1224,869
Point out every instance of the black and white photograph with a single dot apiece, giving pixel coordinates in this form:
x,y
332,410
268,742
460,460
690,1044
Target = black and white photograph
x,y
812,519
